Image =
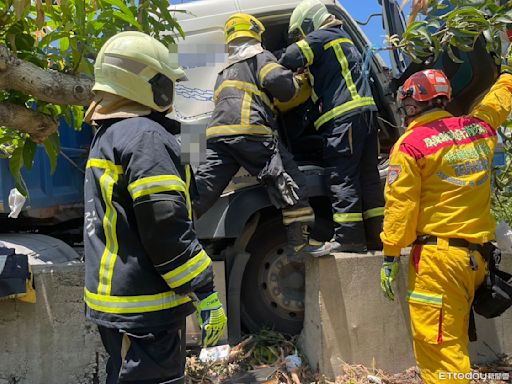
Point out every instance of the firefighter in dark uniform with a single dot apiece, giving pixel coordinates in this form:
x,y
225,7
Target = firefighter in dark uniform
x,y
347,121
243,132
145,269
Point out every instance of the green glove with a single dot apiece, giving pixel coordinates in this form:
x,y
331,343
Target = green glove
x,y
212,319
388,272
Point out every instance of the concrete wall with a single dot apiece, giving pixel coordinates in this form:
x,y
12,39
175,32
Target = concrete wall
x,y
348,319
51,342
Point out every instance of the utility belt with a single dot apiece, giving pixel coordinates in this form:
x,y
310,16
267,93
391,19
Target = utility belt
x,y
432,240
494,296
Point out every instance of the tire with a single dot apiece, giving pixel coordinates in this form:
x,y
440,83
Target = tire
x,y
272,287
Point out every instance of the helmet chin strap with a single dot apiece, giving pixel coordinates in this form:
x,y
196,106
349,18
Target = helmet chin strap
x,y
412,111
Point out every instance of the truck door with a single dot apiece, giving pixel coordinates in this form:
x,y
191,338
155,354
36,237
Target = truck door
x,y
394,24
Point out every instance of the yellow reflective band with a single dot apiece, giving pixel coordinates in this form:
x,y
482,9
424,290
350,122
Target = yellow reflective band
x,y
188,271
243,86
306,51
108,259
297,212
345,72
245,114
337,42
314,96
301,219
188,177
104,164
155,184
267,68
342,109
133,304
347,217
425,298
238,129
374,212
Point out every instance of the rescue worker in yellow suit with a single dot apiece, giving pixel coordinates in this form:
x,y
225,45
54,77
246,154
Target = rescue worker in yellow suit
x,y
438,199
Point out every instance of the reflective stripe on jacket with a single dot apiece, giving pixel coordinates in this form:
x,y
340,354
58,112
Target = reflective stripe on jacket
x,y
141,253
243,96
335,69
439,178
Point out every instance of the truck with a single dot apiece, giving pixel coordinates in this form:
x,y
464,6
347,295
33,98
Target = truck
x,y
243,232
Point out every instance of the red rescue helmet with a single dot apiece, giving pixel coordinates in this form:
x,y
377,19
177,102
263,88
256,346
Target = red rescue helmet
x,y
426,85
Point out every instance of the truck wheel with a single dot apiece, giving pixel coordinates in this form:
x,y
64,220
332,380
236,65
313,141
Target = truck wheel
x,y
273,287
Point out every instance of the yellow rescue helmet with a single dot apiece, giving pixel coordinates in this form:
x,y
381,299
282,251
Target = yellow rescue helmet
x,y
243,25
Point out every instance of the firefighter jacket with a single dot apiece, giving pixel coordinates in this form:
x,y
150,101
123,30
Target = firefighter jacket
x,y
336,74
439,174
243,96
142,256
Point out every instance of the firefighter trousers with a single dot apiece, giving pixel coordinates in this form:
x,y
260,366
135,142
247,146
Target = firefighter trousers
x,y
145,356
351,151
442,283
225,156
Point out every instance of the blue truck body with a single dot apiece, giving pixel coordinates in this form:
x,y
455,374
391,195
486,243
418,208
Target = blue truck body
x,y
63,188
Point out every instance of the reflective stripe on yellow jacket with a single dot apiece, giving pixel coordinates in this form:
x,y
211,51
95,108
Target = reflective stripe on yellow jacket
x,y
439,174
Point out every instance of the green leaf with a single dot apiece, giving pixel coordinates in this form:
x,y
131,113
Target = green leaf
x,y
78,117
15,165
52,147
121,5
64,44
29,151
129,19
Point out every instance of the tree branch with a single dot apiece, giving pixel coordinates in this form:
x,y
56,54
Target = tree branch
x,y
37,124
47,85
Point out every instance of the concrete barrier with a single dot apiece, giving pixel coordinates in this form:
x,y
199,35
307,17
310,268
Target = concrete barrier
x,y
348,320
50,342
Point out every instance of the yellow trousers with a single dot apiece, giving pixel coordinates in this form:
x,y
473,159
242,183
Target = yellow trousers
x,y
442,285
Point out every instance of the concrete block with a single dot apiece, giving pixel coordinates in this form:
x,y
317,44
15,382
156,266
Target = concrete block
x,y
50,342
347,318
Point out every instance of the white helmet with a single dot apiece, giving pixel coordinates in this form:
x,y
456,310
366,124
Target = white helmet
x,y
139,68
307,17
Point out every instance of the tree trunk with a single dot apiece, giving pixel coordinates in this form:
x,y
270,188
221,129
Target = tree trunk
x,y
46,85
37,124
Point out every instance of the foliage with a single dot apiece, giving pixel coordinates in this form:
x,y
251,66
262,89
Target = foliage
x,y
502,199
65,35
460,28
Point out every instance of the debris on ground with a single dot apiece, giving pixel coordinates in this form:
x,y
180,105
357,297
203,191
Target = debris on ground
x,y
272,358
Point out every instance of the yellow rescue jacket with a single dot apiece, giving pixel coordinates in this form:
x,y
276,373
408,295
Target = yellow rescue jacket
x,y
439,179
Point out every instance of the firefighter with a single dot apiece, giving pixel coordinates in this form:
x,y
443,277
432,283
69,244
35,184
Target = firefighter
x,y
346,120
438,199
243,132
144,267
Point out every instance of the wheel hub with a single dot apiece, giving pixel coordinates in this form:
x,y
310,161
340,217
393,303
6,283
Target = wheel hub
x,y
282,283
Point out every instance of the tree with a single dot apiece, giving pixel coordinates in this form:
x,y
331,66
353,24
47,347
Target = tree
x,y
47,51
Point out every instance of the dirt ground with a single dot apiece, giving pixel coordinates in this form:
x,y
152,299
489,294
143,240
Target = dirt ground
x,y
262,358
